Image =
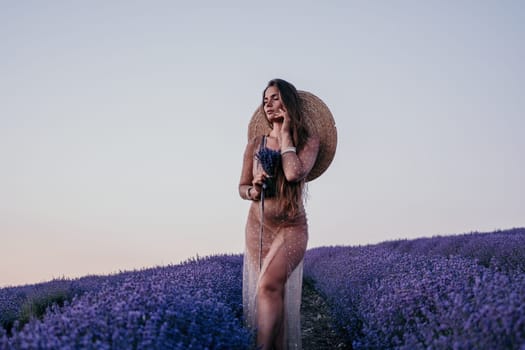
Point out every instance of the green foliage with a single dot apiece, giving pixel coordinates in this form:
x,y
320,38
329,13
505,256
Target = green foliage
x,y
36,306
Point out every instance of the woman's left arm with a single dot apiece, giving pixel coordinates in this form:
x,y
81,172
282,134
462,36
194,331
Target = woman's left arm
x,y
297,165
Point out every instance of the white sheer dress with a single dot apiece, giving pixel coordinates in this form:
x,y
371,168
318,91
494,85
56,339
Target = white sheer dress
x,y
284,241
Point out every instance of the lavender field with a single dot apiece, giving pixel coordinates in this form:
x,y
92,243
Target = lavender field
x,y
455,292
195,305
452,292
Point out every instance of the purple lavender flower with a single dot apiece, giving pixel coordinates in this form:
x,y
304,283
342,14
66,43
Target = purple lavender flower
x,y
269,160
429,293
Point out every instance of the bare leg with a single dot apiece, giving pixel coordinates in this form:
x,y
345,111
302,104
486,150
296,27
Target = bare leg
x,y
270,302
280,335
283,259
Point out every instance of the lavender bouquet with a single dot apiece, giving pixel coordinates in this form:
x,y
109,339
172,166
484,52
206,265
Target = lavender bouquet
x,y
269,159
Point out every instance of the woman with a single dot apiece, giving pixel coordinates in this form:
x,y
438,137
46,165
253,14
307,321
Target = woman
x,y
274,172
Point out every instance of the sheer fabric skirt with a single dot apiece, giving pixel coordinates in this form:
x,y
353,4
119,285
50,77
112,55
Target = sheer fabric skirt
x,y
284,243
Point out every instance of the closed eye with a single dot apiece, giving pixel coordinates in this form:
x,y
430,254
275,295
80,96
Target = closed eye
x,y
274,97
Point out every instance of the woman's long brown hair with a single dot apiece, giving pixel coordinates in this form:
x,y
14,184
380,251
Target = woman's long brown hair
x,y
290,194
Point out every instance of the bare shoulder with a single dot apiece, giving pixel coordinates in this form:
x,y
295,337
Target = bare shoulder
x,y
256,140
253,143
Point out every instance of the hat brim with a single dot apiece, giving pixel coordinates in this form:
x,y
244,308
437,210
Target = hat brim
x,y
319,121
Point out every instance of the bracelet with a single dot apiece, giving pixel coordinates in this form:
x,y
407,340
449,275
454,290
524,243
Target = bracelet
x,y
248,192
288,149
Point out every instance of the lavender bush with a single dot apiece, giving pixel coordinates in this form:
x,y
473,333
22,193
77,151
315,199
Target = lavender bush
x,y
389,299
21,302
502,250
195,305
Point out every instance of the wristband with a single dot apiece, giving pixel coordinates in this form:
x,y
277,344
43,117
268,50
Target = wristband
x,y
288,149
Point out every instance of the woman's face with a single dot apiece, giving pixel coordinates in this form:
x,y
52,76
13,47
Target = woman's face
x,y
272,104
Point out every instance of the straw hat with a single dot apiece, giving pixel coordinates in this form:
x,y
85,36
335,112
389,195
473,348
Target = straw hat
x,y
319,121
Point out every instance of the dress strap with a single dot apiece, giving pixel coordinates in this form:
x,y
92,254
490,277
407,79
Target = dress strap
x,y
263,141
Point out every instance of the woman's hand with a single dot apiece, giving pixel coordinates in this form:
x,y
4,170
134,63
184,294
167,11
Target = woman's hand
x,y
257,183
285,134
285,128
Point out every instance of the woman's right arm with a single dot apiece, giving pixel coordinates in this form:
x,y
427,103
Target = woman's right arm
x,y
246,190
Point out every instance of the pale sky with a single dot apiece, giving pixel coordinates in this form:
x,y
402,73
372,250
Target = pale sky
x,y
123,124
